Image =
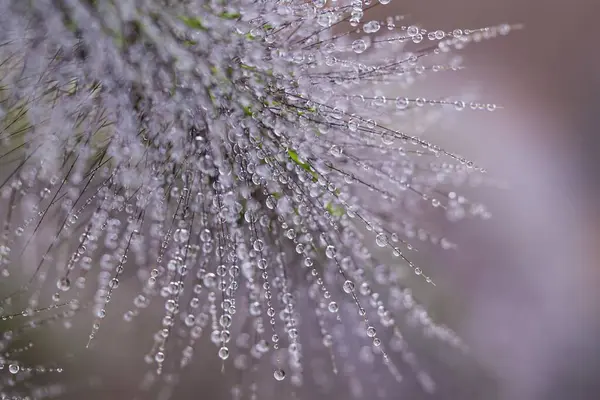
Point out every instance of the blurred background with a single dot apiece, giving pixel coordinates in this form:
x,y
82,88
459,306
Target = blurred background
x,y
527,299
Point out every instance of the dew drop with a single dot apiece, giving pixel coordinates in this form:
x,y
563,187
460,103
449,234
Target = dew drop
x,y
359,46
371,332
402,103
371,27
223,353
63,284
330,251
412,31
333,307
348,286
210,280
279,374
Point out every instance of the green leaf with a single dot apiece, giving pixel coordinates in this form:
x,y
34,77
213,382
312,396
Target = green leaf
x,y
294,157
335,211
230,15
194,23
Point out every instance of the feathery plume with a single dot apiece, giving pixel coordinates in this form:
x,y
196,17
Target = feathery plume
x,y
236,160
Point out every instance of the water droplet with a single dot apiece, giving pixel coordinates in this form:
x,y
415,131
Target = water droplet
x,y
333,307
258,245
63,284
210,280
348,286
402,103
359,46
371,27
279,374
412,31
371,332
181,235
223,353
459,105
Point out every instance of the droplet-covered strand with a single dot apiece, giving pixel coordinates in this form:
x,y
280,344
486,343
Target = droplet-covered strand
x,y
232,162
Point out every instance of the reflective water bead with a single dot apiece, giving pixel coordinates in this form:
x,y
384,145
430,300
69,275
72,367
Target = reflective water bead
x,y
371,332
330,251
348,286
63,284
381,240
262,264
359,46
371,27
258,245
223,353
333,307
210,280
459,105
402,103
412,30
181,235
279,374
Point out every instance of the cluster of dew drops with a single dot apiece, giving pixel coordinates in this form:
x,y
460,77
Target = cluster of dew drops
x,y
211,247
